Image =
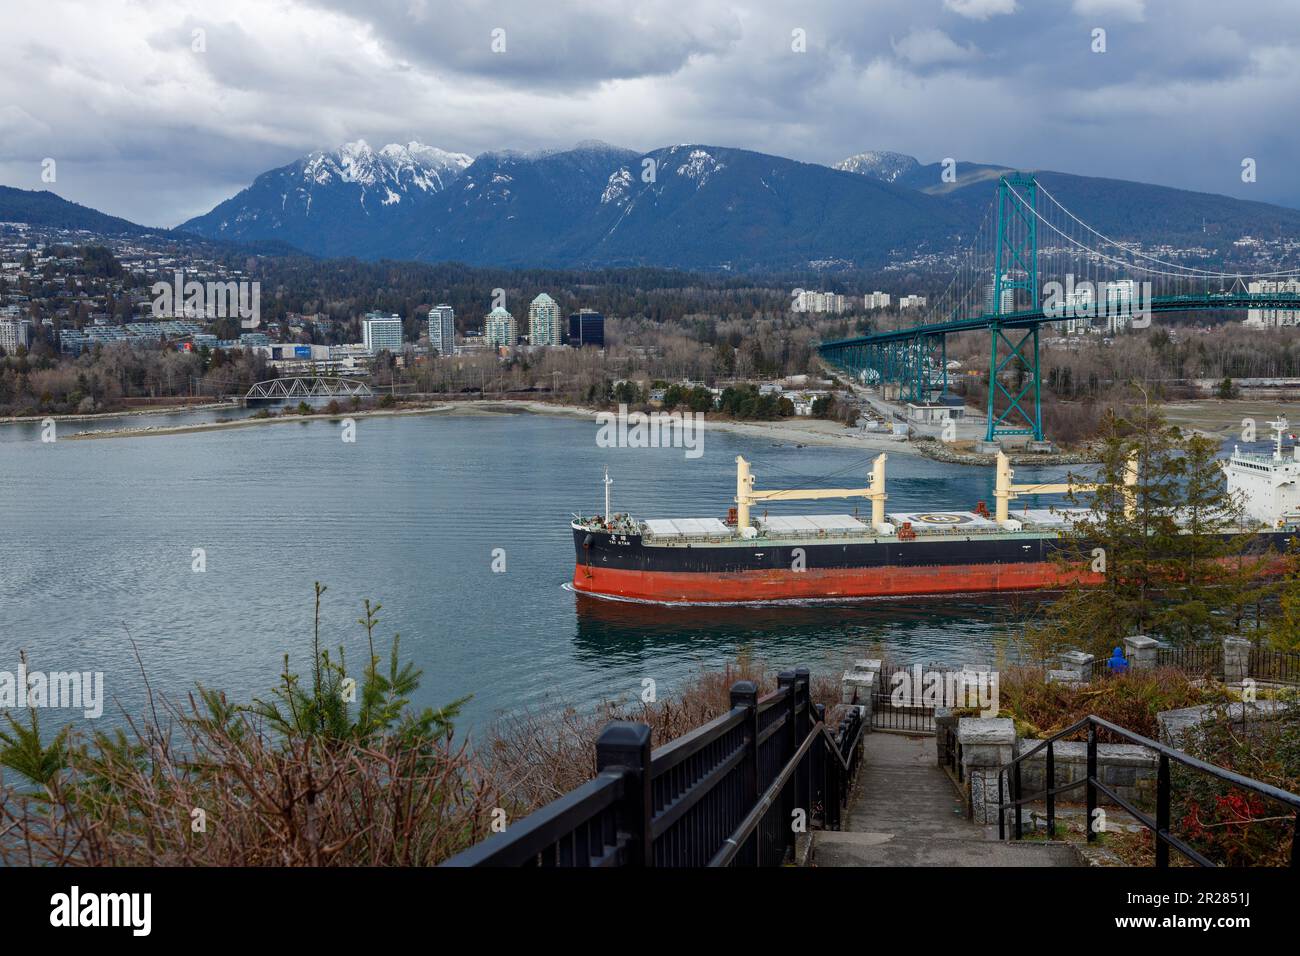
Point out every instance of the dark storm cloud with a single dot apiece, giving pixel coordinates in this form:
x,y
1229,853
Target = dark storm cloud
x,y
146,126
561,43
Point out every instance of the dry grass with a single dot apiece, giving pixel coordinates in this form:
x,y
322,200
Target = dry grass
x,y
532,758
1131,700
226,793
212,784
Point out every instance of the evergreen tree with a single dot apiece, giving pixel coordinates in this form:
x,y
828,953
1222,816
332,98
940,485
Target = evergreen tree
x,y
1157,528
1283,630
1214,575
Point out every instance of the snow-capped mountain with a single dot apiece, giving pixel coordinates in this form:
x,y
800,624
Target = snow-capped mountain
x,y
394,170
329,201
880,164
691,206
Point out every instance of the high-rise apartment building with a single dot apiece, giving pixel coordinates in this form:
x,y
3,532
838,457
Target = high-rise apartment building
x,y
500,328
544,322
14,333
382,330
1268,318
442,329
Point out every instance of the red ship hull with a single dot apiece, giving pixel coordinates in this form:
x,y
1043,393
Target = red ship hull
x,y
785,585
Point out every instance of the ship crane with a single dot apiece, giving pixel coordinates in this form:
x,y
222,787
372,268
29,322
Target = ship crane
x,y
746,496
1004,491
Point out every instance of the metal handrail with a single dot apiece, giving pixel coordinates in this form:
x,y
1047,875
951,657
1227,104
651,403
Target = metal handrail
x,y
534,833
648,807
1161,823
731,846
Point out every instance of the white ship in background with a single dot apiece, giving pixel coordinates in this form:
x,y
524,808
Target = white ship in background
x,y
1268,486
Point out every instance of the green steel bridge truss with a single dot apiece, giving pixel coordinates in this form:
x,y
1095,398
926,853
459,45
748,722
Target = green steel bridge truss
x,y
914,359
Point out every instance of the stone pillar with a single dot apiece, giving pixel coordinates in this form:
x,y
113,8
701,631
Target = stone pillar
x,y
1236,660
858,686
1079,663
987,744
1141,651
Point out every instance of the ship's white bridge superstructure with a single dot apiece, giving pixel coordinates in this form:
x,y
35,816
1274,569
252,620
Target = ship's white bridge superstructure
x,y
1268,486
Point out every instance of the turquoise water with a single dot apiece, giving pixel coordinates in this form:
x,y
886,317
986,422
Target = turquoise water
x,y
97,543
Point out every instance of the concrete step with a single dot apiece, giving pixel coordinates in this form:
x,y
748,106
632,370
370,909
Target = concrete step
x,y
844,848
905,812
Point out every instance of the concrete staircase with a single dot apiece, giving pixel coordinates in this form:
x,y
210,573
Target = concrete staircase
x,y
905,812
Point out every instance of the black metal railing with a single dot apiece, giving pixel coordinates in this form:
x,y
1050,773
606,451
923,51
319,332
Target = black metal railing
x,y
732,792
1009,777
1205,660
949,749
1266,664
899,701
1282,667
1101,668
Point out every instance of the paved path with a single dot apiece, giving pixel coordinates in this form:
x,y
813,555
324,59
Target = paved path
x,y
906,813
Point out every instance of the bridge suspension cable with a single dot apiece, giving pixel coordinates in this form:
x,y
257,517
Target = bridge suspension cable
x,y
1141,255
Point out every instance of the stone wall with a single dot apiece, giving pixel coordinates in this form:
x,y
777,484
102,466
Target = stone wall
x,y
987,745
1128,769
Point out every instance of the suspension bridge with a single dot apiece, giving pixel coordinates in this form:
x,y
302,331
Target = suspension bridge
x,y
1034,262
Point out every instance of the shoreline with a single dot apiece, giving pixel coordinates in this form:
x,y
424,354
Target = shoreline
x,y
797,432
109,416
815,432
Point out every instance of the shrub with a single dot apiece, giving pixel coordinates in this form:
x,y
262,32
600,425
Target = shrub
x,y
1131,700
1228,824
294,780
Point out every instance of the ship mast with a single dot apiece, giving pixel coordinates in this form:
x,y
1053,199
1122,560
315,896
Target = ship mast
x,y
608,481
1279,426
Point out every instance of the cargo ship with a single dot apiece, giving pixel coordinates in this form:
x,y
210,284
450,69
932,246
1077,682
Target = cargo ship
x,y
747,558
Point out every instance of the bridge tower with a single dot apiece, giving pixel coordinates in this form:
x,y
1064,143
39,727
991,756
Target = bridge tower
x,y
1014,289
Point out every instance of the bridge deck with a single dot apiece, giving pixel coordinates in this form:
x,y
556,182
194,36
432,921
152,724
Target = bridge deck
x,y
905,813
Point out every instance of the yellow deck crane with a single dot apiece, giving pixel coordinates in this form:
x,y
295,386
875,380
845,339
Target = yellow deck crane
x,y
1004,491
746,496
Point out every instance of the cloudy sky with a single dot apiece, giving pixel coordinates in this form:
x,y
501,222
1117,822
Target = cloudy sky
x,y
142,124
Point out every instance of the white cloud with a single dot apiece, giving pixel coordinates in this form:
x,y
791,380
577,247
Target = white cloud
x,y
929,47
981,9
1131,10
